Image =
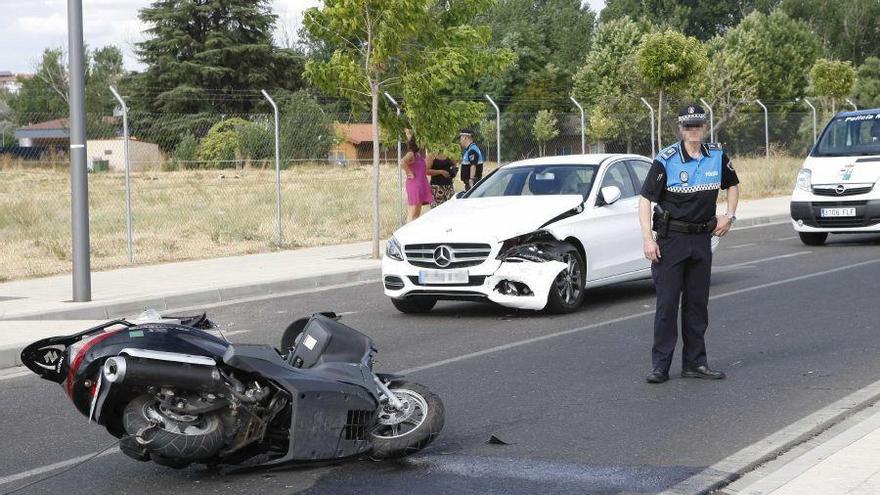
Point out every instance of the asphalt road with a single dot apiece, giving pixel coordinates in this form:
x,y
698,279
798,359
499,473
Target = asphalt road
x,y
795,328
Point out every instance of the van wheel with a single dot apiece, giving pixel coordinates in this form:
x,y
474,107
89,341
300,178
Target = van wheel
x,y
813,238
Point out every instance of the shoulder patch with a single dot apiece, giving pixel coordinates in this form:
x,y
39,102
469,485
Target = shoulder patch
x,y
713,146
667,153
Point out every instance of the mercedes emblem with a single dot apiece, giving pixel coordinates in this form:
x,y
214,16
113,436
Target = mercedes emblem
x,y
443,256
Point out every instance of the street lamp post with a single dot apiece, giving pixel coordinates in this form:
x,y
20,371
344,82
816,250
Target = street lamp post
x,y
125,157
79,179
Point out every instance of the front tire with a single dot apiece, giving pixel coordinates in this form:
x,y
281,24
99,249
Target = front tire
x,y
813,238
567,290
414,305
401,433
170,442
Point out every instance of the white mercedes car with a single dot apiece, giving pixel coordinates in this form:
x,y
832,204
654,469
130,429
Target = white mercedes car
x,y
838,188
532,235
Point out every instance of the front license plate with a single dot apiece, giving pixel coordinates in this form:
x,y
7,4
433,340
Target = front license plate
x,y
443,276
838,212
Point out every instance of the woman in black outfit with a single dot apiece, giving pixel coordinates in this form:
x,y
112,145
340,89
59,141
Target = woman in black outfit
x,y
441,170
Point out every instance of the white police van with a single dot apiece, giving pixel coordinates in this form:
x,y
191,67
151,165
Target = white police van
x,y
837,190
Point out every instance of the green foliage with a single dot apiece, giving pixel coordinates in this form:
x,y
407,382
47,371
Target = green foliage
x,y
185,153
668,61
702,19
306,130
223,144
608,82
544,128
224,46
846,30
867,88
832,78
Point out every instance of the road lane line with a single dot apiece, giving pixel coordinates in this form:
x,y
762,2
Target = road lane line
x,y
52,467
562,333
760,225
761,260
787,238
738,246
17,374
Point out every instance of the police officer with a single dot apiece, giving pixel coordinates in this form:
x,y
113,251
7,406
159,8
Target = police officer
x,y
684,181
471,159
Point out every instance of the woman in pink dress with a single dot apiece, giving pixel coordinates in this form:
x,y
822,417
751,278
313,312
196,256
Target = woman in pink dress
x,y
418,191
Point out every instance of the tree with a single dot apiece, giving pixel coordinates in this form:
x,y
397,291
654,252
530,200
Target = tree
x,y
867,88
608,84
832,79
668,61
767,56
702,20
544,129
47,92
306,130
7,126
211,55
848,30
386,45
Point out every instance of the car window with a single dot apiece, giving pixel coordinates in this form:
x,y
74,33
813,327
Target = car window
x,y
618,175
537,180
640,171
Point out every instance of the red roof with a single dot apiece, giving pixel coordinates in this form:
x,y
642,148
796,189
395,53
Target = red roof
x,y
356,133
49,124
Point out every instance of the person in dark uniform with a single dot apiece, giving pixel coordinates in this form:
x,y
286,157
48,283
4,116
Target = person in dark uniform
x,y
471,159
684,181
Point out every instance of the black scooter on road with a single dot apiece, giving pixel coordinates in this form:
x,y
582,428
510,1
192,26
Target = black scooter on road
x,y
175,394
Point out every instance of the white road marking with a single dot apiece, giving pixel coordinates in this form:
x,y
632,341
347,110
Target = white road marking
x,y
758,226
742,245
52,467
15,374
562,333
787,238
762,260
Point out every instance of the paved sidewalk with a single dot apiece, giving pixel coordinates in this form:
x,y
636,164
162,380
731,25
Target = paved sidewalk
x,y
847,464
128,291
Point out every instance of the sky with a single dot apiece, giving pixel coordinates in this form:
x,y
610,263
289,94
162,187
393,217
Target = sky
x,y
27,27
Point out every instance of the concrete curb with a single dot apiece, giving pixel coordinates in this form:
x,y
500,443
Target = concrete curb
x,y
728,470
10,354
764,220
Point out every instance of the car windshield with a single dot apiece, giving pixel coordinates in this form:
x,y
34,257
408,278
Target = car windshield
x,y
537,180
855,135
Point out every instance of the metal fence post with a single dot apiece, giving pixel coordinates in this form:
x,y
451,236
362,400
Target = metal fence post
x,y
399,165
766,129
125,157
79,178
280,239
651,109
497,130
814,118
583,136
853,104
711,120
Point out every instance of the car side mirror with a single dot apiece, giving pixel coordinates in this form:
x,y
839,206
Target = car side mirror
x,y
460,194
609,195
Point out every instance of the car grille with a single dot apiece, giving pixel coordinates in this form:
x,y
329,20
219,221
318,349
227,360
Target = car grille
x,y
473,280
463,254
831,190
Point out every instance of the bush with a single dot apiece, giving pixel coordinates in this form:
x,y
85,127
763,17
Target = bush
x,y
184,154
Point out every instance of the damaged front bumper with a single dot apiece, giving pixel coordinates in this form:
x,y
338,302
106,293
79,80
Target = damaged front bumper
x,y
521,276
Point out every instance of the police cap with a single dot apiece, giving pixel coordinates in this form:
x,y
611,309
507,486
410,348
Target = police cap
x,y
692,114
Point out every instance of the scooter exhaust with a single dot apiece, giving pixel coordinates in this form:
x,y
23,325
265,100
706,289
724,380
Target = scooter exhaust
x,y
122,370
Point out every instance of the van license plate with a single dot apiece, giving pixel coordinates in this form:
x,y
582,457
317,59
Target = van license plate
x,y
838,212
443,276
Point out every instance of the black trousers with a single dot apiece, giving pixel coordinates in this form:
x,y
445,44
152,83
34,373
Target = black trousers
x,y
682,274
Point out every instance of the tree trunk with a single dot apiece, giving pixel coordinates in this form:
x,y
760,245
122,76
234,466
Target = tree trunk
x,y
629,145
833,105
374,94
660,121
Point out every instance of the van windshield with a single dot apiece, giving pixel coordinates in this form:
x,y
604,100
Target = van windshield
x,y
855,135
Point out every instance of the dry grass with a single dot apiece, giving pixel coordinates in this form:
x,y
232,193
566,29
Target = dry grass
x,y
202,214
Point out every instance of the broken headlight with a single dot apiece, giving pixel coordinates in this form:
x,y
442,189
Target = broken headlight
x,y
537,246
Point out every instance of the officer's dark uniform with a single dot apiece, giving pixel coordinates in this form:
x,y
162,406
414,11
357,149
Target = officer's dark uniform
x,y
471,158
686,189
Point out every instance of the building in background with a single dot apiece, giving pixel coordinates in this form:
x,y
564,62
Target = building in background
x,y
10,80
355,145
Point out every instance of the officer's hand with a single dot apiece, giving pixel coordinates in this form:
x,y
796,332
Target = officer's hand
x,y
723,225
652,250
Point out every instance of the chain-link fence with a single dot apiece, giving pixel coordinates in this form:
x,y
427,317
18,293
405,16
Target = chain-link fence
x,y
205,185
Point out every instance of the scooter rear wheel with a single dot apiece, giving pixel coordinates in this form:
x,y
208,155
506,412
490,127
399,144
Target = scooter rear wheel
x,y
401,433
172,442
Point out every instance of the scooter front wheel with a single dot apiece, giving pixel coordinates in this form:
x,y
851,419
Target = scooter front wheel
x,y
410,429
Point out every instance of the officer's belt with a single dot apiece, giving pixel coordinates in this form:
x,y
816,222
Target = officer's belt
x,y
693,228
